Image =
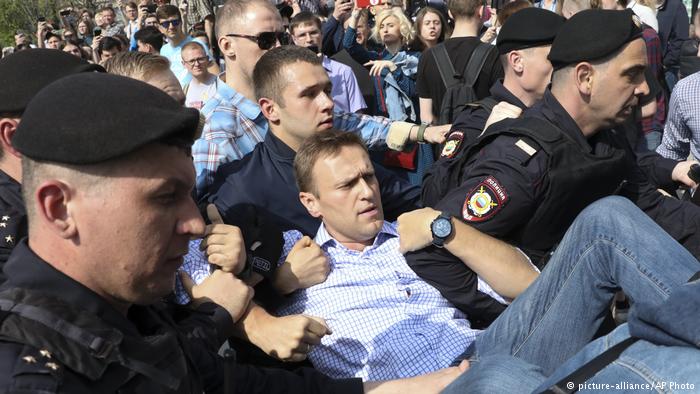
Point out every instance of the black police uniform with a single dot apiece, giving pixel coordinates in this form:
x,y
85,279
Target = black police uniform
x,y
57,336
464,132
265,178
13,218
526,188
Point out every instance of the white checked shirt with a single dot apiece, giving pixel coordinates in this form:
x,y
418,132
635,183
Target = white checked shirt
x,y
387,323
682,130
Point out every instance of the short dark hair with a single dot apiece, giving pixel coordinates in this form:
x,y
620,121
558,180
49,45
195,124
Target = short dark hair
x,y
108,43
107,8
304,18
167,11
267,75
464,8
317,146
150,35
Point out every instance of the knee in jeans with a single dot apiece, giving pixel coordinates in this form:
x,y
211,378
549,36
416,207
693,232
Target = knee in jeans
x,y
607,209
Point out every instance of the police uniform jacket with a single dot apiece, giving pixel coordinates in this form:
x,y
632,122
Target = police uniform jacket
x,y
13,218
465,130
265,178
57,336
527,189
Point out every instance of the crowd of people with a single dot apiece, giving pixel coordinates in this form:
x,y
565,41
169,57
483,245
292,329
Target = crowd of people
x,y
382,197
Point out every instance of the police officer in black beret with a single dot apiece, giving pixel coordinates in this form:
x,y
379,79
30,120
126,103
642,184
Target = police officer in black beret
x,y
110,217
22,75
525,179
523,44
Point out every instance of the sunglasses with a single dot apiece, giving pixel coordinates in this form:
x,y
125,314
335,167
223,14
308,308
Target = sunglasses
x,y
167,24
265,40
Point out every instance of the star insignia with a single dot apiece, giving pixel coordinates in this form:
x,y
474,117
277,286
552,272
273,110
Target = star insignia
x,y
52,366
45,353
29,359
3,224
5,218
9,239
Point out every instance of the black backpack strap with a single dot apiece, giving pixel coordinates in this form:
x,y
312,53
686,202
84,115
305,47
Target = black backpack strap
x,y
486,103
476,63
444,64
570,383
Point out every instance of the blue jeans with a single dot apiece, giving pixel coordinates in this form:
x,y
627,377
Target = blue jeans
x,y
612,245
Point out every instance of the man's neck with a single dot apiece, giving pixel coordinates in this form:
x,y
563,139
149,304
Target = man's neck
x,y
12,167
204,78
466,27
175,41
236,80
514,88
290,140
585,121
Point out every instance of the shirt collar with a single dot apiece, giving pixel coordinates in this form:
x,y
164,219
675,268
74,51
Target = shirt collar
x,y
248,108
500,93
326,62
555,113
278,148
324,239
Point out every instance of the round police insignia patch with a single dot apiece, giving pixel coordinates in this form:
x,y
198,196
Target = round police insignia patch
x,y
454,140
487,198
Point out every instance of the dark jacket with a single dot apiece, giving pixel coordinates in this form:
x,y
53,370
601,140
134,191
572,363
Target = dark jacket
x,y
164,345
265,178
13,218
673,31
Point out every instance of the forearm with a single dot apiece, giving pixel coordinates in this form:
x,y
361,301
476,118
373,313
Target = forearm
x,y
426,110
248,326
502,266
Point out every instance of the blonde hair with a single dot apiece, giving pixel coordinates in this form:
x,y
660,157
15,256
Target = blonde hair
x,y
136,65
405,26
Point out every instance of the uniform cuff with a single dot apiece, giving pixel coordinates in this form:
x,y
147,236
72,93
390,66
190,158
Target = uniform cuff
x,y
397,137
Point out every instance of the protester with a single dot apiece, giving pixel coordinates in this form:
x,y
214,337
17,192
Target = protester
x,y
149,39
203,83
430,27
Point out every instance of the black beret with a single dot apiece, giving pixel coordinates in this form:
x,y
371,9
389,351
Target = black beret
x,y
92,117
527,28
593,34
25,73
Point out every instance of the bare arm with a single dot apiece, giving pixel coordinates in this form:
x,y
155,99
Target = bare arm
x,y
426,110
502,266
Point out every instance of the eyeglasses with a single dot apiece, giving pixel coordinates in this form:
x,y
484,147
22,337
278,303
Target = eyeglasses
x,y
174,23
194,61
265,40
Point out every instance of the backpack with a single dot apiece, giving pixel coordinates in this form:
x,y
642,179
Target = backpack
x,y
460,87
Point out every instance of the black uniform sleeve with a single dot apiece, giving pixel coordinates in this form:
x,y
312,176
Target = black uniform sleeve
x,y
680,219
398,195
502,185
252,380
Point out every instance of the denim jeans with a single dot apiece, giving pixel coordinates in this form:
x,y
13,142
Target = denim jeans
x,y
612,245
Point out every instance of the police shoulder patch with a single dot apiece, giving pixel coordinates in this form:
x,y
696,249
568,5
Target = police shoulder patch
x,y
484,201
454,140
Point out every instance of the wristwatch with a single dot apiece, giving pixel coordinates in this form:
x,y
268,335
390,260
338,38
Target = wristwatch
x,y
441,228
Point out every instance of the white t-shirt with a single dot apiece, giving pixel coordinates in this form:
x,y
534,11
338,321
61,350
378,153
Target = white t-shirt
x,y
198,93
645,14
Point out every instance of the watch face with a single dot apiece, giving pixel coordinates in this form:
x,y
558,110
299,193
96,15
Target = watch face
x,y
442,227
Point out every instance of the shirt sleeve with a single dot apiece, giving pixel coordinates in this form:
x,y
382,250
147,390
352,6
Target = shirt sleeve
x,y
677,135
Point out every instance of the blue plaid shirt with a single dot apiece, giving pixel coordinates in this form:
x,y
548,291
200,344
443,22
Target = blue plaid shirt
x,y
234,125
682,130
387,323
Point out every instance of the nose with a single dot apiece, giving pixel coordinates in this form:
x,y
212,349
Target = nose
x,y
191,223
326,102
366,191
642,89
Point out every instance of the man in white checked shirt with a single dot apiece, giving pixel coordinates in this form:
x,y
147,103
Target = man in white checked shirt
x,y
386,322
